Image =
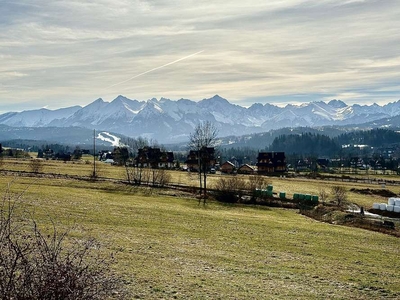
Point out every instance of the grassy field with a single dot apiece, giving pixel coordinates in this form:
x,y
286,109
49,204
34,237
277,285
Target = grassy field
x,y
169,247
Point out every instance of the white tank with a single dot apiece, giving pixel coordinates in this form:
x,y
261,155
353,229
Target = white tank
x,y
396,209
391,201
397,202
389,207
382,206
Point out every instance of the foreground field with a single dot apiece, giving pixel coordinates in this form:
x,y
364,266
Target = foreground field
x,y
170,247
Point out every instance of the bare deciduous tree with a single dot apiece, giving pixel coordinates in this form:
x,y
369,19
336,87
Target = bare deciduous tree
x,y
339,194
203,137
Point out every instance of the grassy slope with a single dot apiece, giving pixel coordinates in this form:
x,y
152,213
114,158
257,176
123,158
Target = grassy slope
x,y
170,247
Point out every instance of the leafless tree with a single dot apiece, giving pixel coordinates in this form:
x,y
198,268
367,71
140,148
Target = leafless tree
x,y
203,136
323,194
339,194
36,165
161,177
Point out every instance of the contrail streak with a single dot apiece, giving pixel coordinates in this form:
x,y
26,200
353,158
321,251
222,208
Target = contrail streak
x,y
160,67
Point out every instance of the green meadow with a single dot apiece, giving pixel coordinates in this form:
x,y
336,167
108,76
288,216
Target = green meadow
x,y
167,246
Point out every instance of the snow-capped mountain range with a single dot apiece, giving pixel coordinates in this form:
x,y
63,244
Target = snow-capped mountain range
x,y
171,121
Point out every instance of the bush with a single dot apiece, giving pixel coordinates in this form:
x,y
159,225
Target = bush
x,y
257,182
36,165
34,265
229,189
339,194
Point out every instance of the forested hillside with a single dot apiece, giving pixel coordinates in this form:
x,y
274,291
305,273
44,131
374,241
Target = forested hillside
x,y
322,145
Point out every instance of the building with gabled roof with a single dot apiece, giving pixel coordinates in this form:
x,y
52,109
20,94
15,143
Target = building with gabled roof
x,y
271,162
154,158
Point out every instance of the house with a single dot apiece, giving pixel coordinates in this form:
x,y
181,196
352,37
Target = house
x,y
154,158
323,163
48,154
356,162
105,154
246,169
205,155
271,162
303,165
227,167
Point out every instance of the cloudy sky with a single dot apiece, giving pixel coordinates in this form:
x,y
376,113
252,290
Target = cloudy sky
x,y
65,52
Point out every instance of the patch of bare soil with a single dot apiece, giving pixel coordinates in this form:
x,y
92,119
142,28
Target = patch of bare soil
x,y
335,215
377,192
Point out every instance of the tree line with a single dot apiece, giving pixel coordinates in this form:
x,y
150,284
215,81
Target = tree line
x,y
322,145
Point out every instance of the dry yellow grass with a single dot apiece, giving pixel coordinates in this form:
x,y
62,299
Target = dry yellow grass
x,y
173,248
288,185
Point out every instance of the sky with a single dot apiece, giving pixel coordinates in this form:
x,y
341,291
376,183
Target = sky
x,y
62,53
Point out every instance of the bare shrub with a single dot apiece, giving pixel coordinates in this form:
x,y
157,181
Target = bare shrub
x,y
339,194
36,165
257,182
134,174
230,189
36,265
323,194
161,177
146,175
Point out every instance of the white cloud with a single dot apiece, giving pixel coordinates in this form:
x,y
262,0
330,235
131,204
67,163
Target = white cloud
x,y
71,50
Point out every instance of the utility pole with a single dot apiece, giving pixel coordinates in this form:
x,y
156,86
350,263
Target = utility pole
x,y
94,153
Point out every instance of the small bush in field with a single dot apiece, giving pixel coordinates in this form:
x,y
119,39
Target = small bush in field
x,y
36,165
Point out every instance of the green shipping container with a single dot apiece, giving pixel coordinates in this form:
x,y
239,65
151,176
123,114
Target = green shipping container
x,y
315,199
301,196
282,195
295,196
308,197
270,187
269,193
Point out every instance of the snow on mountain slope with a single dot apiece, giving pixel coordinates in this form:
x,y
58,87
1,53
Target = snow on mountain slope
x,y
168,120
107,137
37,118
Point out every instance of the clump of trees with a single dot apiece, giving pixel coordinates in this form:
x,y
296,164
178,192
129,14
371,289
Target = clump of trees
x,y
36,264
230,189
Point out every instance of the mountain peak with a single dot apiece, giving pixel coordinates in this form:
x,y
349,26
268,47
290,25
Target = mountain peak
x,y
337,103
215,99
120,98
